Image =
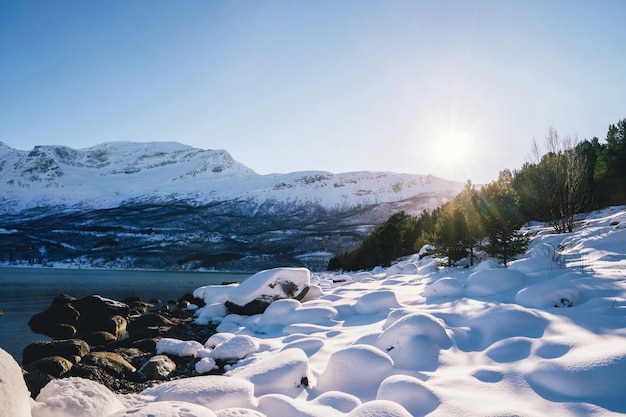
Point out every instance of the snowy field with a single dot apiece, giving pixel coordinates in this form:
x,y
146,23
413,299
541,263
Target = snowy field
x,y
544,337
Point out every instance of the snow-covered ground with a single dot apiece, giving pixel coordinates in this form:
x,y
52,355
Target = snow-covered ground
x,y
544,337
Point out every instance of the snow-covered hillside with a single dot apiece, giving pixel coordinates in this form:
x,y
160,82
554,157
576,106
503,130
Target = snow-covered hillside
x,y
545,336
171,206
107,175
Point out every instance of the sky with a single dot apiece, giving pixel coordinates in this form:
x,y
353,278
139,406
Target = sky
x,y
456,89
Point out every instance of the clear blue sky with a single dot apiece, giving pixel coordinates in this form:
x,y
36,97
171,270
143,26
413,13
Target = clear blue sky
x,y
291,85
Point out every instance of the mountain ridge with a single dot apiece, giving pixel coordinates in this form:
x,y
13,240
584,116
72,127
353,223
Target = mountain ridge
x,y
218,208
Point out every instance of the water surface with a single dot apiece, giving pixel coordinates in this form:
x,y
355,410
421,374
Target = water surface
x,y
27,291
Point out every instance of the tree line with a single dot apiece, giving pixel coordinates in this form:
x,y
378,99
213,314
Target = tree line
x,y
565,178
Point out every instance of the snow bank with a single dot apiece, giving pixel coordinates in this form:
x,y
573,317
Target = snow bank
x,y
14,396
536,338
285,372
210,391
166,409
76,397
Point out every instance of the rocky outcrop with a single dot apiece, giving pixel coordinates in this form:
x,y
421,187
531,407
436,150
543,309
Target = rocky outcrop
x,y
68,317
117,350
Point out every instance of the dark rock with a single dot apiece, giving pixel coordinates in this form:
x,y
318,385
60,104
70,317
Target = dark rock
x,y
146,345
52,365
1,312
131,300
96,312
148,325
72,350
115,325
55,315
158,367
99,338
187,297
118,385
36,380
112,363
250,309
62,299
62,331
134,356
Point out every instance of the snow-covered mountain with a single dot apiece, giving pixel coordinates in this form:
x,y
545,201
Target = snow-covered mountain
x,y
137,201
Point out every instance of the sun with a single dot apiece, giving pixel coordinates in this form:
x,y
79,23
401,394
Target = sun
x,y
451,151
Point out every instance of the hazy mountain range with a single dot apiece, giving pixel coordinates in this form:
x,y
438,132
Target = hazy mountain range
x,y
165,205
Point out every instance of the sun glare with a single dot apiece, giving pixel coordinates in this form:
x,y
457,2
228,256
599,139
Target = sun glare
x,y
451,150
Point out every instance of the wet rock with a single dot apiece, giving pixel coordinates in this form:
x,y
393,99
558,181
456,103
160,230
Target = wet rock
x,y
72,350
96,313
52,365
158,367
35,380
99,338
62,331
112,363
148,325
57,314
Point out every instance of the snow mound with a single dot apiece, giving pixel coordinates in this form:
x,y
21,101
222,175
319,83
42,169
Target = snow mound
x,y
166,409
178,347
340,401
356,370
550,294
210,391
375,302
14,396
444,287
415,332
409,392
494,281
286,312
380,408
235,348
285,372
75,397
238,412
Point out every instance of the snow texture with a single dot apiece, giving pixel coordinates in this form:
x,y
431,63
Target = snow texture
x,y
537,338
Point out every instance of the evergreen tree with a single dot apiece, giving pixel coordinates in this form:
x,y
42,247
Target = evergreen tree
x,y
502,218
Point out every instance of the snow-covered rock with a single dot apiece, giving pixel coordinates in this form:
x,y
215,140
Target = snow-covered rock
x,y
256,293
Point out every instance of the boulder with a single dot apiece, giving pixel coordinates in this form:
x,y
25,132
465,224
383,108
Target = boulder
x,y
57,314
112,363
256,293
158,367
72,350
99,338
148,325
52,365
96,313
116,325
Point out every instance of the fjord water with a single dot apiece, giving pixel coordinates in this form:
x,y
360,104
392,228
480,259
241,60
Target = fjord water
x,y
27,291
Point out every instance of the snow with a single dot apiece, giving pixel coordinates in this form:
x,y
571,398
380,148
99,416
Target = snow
x,y
177,347
545,336
108,174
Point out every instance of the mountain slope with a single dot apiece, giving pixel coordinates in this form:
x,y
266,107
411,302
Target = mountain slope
x,y
168,205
